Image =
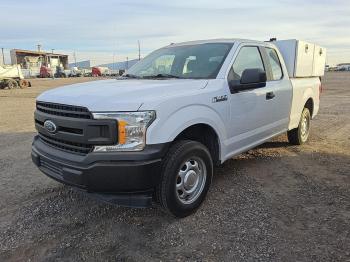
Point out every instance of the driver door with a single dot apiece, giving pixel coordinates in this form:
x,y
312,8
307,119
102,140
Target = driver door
x,y
252,120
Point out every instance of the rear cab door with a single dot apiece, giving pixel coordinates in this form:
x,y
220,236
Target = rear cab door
x,y
278,86
260,113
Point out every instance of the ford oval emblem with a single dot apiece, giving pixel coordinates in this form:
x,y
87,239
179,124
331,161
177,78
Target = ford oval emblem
x,y
50,126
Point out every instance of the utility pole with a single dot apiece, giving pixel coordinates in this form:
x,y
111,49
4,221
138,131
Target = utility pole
x,y
3,57
39,47
113,62
138,42
53,75
127,63
75,59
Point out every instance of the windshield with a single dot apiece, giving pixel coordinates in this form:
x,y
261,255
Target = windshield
x,y
200,61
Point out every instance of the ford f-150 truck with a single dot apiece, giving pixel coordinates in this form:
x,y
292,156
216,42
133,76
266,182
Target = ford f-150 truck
x,y
157,132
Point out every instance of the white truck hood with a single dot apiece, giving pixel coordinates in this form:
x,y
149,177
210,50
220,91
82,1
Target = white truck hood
x,y
119,95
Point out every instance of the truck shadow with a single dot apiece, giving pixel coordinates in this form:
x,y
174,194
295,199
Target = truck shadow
x,y
275,144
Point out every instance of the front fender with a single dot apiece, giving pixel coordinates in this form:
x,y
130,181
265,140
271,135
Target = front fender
x,y
167,127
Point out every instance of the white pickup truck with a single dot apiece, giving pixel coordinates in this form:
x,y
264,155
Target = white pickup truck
x,y
157,132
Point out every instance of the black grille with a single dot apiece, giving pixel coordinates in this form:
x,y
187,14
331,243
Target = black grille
x,y
63,110
63,129
66,145
76,130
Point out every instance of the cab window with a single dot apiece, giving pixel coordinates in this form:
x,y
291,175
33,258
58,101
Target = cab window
x,y
247,58
275,64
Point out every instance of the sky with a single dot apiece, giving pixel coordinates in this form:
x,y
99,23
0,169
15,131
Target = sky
x,y
105,31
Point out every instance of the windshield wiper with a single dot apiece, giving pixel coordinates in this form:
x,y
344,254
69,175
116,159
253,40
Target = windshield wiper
x,y
161,76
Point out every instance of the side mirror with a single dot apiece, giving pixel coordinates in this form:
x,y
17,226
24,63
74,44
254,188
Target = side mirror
x,y
251,78
254,75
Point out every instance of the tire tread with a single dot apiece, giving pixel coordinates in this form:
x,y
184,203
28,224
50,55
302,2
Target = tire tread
x,y
172,153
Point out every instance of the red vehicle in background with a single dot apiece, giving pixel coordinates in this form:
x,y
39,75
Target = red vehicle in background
x,y
100,71
96,72
45,72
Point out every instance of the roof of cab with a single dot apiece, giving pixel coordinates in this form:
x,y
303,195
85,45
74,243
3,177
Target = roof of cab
x,y
220,40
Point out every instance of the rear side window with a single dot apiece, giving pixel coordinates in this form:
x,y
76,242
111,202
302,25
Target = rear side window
x,y
275,64
248,57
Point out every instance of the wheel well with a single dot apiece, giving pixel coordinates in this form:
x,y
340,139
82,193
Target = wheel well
x,y
310,105
204,134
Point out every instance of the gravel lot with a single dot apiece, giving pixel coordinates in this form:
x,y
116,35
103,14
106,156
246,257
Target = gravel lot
x,y
276,202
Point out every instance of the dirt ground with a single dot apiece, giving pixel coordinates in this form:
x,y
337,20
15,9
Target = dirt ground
x,y
274,203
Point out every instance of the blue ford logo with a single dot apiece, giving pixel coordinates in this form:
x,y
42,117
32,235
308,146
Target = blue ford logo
x,y
50,126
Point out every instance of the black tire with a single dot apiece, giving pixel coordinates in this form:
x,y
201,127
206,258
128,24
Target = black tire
x,y
299,136
2,84
181,153
23,83
11,84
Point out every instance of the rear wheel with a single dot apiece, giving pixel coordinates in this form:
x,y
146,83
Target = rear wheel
x,y
299,135
187,171
2,84
23,83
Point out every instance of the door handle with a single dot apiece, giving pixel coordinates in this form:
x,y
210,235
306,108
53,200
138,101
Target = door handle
x,y
270,95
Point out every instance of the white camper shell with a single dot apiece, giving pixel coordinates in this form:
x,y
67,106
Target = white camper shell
x,y
302,59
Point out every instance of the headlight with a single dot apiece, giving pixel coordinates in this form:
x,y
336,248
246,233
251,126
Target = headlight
x,y
132,128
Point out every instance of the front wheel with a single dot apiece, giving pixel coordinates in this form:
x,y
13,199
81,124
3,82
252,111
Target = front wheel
x,y
299,135
186,175
11,84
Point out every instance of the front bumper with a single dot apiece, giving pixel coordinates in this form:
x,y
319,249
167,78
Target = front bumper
x,y
125,178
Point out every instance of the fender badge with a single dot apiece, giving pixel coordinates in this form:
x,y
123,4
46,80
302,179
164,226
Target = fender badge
x,y
219,98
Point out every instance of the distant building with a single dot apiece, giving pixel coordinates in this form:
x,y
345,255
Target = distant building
x,y
121,65
81,64
112,66
35,59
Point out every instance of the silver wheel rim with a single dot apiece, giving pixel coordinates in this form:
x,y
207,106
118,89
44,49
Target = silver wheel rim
x,y
304,127
190,180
